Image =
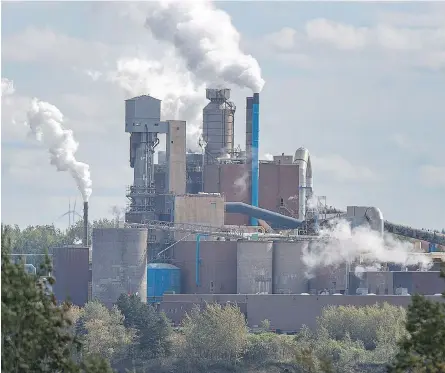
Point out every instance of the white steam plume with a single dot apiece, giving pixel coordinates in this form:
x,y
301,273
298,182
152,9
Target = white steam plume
x,y
7,87
268,157
241,183
206,39
166,80
340,244
45,122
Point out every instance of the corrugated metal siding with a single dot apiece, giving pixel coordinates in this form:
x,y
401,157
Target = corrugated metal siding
x,y
161,280
71,270
278,183
217,269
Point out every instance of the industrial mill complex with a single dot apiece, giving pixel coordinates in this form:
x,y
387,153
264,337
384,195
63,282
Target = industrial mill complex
x,y
222,225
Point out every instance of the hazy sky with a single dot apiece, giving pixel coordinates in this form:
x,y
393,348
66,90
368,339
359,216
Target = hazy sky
x,y
361,85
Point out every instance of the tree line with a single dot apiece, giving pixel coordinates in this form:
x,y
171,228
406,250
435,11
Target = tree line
x,y
39,336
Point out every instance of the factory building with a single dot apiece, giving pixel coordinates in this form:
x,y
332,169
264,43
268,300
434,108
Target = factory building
x,y
223,225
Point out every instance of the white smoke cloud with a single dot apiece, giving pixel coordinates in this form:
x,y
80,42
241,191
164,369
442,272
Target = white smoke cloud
x,y
207,41
241,184
340,244
7,87
360,270
268,157
46,124
167,80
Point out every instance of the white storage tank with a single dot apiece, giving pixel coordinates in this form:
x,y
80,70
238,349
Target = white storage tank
x,y
119,263
254,267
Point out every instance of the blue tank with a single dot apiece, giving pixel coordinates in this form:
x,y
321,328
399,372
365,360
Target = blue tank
x,y
162,278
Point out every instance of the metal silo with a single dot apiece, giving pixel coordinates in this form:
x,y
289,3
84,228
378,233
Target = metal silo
x,y
119,263
71,271
162,278
218,124
254,267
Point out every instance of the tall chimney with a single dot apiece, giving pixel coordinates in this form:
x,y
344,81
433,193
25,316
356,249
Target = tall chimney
x,y
255,152
85,223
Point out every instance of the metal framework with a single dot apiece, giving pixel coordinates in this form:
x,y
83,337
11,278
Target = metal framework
x,y
237,233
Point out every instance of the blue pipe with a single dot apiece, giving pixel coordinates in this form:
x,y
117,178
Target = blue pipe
x,y
198,258
255,150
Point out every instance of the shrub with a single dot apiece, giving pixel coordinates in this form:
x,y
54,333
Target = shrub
x,y
267,347
370,324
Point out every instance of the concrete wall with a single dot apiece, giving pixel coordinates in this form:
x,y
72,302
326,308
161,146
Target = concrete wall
x,y
119,263
176,160
254,267
329,278
285,312
199,209
379,283
217,268
288,269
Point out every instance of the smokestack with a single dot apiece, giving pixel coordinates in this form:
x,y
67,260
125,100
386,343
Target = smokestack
x,y
255,152
85,223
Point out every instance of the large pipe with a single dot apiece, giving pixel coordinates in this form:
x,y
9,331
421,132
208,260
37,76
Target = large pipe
x,y
85,223
198,259
255,153
275,219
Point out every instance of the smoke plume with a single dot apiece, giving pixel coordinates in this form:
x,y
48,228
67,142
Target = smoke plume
x,y
340,244
167,80
45,122
206,39
7,87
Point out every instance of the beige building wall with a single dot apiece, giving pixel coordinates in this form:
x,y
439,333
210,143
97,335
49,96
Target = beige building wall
x,y
176,159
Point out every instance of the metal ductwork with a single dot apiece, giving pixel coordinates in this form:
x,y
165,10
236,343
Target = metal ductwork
x,y
276,220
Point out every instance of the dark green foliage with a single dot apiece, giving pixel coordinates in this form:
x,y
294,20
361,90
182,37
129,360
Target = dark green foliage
x,y
35,331
423,350
153,329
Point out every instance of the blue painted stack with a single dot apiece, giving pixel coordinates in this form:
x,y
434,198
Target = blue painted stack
x,y
255,155
162,278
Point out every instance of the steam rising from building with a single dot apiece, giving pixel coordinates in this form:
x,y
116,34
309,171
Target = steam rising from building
x,y
207,41
46,124
342,244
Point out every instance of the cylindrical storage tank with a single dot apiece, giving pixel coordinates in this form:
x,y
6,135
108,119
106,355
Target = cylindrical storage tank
x,y
71,272
119,263
254,267
162,278
288,268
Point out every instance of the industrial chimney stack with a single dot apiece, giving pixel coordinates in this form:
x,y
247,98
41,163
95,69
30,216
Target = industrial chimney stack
x,y
85,223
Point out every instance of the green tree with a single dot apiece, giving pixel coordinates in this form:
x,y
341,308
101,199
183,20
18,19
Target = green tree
x,y
153,330
423,350
102,331
75,232
35,331
218,333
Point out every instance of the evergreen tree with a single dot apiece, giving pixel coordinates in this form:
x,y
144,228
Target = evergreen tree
x,y
36,333
423,350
